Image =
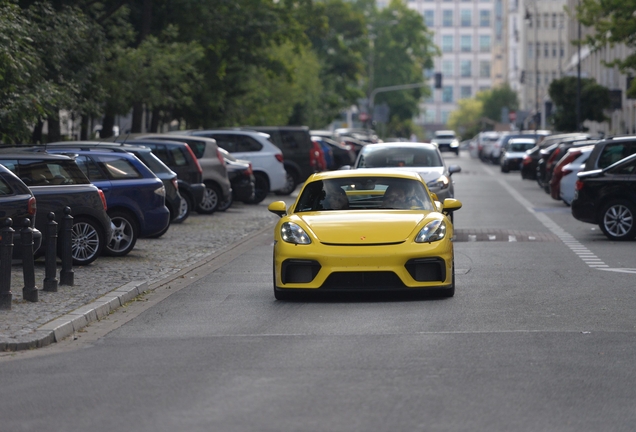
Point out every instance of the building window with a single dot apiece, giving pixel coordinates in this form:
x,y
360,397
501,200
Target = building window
x,y
484,18
485,43
447,68
546,20
429,18
447,43
538,77
530,50
431,95
554,49
447,18
484,69
465,67
447,94
429,116
554,20
546,50
538,49
445,116
465,92
484,88
466,18
466,43
561,50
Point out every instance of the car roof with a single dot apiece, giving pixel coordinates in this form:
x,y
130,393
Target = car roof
x,y
90,145
366,172
32,152
399,144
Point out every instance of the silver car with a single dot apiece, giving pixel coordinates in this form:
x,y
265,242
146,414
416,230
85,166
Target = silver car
x,y
423,158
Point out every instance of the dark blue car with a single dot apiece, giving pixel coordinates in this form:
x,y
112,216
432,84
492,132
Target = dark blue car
x,y
134,195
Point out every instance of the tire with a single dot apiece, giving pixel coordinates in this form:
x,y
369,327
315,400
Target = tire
x,y
224,205
504,168
290,186
183,210
124,236
211,199
261,190
87,241
617,220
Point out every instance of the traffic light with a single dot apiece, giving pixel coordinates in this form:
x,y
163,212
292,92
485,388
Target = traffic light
x,y
438,80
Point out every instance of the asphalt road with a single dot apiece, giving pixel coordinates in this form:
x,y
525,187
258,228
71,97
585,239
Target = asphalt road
x,y
539,337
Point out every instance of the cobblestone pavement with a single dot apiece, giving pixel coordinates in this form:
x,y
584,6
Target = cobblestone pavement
x,y
151,261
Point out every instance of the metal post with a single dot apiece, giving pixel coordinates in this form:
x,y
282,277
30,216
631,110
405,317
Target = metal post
x,y
29,291
578,79
6,252
67,276
536,65
50,258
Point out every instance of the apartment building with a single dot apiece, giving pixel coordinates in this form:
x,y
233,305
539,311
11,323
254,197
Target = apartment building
x,y
471,36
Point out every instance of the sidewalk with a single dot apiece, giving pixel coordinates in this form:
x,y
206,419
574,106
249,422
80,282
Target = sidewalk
x,y
109,282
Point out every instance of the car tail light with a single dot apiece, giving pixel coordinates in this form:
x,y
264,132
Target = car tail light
x,y
220,156
579,185
526,160
32,206
175,183
103,197
279,157
249,171
196,161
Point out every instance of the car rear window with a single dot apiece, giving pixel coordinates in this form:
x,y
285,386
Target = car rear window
x,y
399,157
5,189
39,172
613,152
117,168
152,162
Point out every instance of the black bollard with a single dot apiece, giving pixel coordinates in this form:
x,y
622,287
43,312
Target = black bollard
x,y
6,253
30,291
50,257
67,276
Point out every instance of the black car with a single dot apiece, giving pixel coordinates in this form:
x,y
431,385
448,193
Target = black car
x,y
533,156
242,179
165,174
609,151
57,182
607,197
18,203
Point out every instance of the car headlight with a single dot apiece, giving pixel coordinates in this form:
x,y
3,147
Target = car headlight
x,y
433,231
441,183
454,143
293,233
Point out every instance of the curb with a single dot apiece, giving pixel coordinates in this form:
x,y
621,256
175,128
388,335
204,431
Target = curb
x,y
66,325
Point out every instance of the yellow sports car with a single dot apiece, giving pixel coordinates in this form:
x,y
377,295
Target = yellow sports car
x,y
357,230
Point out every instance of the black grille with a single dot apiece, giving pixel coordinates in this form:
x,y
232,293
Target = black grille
x,y
427,269
362,281
299,271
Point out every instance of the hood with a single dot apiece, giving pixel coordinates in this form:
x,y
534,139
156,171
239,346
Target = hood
x,y
360,227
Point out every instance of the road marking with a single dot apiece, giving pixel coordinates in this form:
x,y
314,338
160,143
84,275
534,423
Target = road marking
x,y
587,256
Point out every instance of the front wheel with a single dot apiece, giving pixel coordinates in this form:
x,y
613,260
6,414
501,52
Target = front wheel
x,y
617,220
184,209
211,199
261,189
87,241
226,204
290,185
124,235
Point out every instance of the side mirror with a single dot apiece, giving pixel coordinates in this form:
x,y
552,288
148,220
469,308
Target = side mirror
x,y
451,204
454,169
345,167
278,208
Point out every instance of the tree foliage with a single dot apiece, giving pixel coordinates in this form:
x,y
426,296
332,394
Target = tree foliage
x,y
497,98
594,100
465,120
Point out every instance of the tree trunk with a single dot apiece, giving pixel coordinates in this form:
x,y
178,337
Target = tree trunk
x,y
84,133
154,122
55,133
36,137
107,126
137,117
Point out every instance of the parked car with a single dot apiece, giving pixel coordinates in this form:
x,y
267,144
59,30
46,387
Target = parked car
x,y
558,171
477,144
134,195
531,159
493,152
144,154
242,179
18,203
569,173
395,247
266,158
180,158
446,140
423,158
513,152
610,150
343,154
607,197
550,156
298,153
57,182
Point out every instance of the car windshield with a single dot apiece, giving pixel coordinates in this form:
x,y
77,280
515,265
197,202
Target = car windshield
x,y
520,147
383,157
363,193
445,136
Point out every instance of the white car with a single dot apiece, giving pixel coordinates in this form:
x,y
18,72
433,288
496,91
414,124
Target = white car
x,y
423,158
568,181
446,140
255,147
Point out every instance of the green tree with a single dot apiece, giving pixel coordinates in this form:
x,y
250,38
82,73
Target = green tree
x,y
611,22
594,99
496,99
402,49
465,120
